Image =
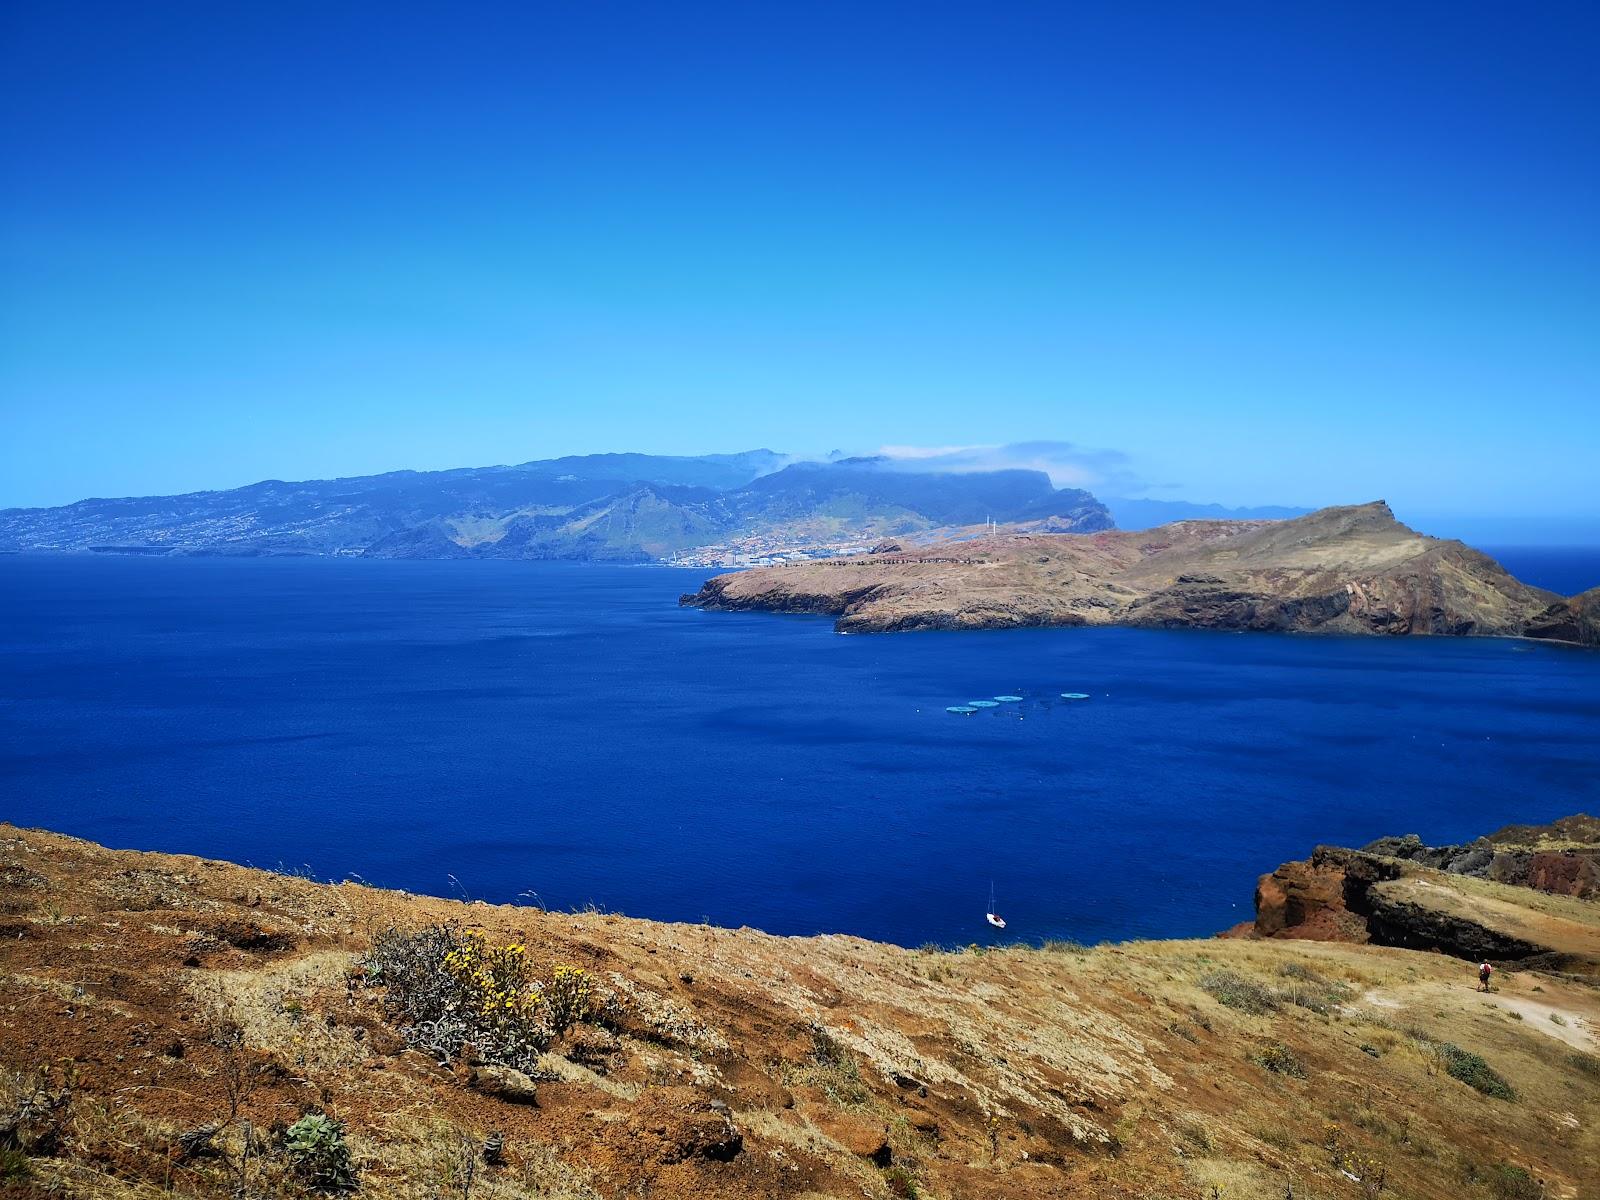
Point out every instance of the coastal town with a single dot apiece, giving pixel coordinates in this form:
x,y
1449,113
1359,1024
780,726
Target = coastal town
x,y
765,550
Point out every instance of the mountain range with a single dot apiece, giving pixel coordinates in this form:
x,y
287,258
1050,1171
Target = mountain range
x,y
598,507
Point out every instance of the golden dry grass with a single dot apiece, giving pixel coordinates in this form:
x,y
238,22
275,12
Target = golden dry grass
x,y
1108,1071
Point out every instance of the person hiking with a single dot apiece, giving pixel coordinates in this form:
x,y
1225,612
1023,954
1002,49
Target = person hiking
x,y
1484,971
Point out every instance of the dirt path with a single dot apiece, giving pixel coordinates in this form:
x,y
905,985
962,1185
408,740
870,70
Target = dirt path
x,y
1564,1024
1558,1019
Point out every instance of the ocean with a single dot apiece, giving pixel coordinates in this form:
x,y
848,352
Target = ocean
x,y
566,735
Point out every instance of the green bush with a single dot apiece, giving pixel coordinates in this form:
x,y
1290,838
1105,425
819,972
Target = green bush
x,y
13,1166
316,1150
1234,990
1471,1070
569,998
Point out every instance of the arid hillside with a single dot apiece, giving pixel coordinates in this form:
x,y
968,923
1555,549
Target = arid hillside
x,y
1352,569
177,1026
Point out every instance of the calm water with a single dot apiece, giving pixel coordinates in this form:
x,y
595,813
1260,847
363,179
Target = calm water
x,y
569,731
1564,569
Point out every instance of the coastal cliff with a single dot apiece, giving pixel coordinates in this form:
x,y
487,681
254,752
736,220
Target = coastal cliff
x,y
1352,569
1525,894
185,1027
1575,620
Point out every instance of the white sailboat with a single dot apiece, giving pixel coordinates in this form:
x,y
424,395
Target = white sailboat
x,y
991,916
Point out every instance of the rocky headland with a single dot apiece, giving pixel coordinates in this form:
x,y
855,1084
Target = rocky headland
x,y
1525,894
1575,620
1353,569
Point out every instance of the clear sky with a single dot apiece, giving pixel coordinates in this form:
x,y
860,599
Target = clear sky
x,y
1252,253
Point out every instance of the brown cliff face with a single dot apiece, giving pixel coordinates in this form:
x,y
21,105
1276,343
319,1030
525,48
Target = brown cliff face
x,y
1576,620
1341,570
1306,900
1472,901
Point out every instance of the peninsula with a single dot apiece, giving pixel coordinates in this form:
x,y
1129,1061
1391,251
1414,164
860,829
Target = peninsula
x,y
1351,569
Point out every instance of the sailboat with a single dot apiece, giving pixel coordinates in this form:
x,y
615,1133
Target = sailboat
x,y
991,916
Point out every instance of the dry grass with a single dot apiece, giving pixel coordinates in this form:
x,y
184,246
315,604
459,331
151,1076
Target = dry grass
x,y
277,1010
430,1159
1112,1071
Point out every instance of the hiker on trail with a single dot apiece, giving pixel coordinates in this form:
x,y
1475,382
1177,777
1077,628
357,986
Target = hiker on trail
x,y
1484,970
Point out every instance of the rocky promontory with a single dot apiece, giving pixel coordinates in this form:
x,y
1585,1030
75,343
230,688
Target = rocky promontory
x,y
1525,894
1353,569
1575,620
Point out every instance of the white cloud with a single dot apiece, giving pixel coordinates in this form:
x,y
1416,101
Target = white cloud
x,y
1068,465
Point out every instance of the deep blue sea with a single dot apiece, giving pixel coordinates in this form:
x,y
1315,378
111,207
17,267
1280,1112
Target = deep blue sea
x,y
518,730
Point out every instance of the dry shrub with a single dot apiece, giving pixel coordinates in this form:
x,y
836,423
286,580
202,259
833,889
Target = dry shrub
x,y
36,1109
1280,1060
1236,991
1308,989
834,1068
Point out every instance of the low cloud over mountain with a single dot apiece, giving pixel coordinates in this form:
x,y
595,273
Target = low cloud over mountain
x,y
1066,463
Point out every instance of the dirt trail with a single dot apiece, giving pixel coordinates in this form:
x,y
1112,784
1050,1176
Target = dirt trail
x,y
1572,1019
1564,1024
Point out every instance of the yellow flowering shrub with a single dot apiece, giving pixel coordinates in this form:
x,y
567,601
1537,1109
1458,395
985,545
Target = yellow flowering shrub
x,y
450,989
569,998
494,982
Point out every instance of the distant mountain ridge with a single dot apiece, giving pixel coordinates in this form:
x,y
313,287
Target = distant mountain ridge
x,y
599,507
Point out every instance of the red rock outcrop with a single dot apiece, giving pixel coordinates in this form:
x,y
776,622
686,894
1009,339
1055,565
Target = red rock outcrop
x,y
1307,900
1564,873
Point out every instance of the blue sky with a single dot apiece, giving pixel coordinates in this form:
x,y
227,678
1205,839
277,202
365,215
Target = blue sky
x,y
1251,253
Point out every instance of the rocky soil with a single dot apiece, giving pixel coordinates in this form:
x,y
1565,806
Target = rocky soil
x,y
164,1021
1341,570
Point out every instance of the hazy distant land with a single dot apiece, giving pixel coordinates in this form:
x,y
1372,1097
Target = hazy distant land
x,y
715,509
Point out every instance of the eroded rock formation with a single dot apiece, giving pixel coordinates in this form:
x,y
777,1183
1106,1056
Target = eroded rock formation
x,y
1397,891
